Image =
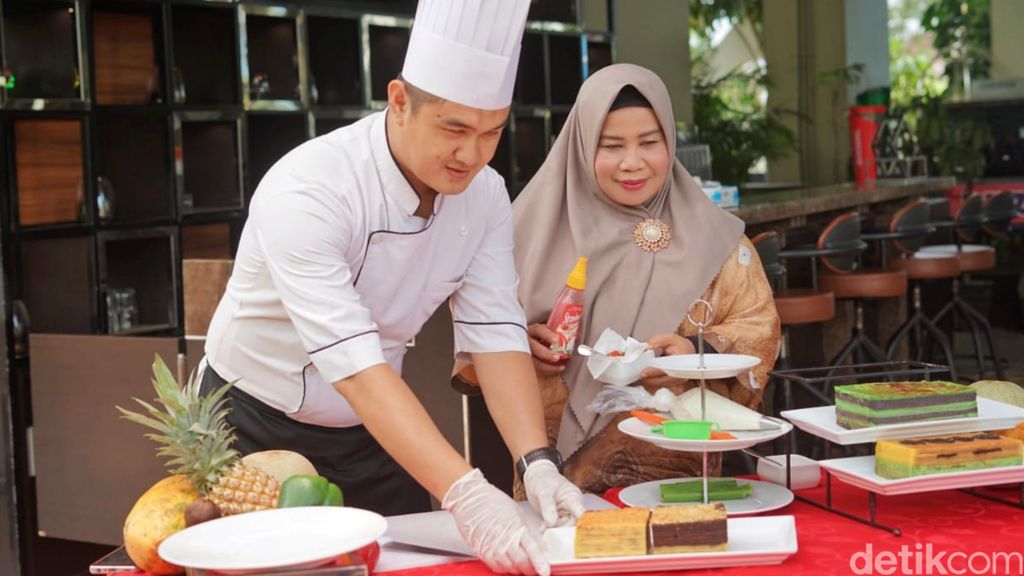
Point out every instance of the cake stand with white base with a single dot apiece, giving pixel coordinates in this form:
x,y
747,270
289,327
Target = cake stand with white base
x,y
701,368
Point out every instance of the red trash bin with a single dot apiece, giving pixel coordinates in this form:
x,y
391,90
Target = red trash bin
x,y
864,122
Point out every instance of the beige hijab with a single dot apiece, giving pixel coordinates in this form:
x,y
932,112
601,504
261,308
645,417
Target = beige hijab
x,y
563,214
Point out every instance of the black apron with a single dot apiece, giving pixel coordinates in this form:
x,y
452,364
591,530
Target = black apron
x,y
350,457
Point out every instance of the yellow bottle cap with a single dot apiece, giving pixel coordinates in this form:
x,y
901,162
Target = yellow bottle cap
x,y
577,279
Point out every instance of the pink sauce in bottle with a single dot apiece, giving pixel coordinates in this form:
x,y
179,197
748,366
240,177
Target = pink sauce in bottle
x,y
567,313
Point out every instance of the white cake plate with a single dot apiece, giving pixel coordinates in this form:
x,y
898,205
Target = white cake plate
x,y
859,471
744,439
821,421
715,365
764,498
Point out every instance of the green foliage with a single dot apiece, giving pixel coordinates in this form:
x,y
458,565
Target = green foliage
x,y
704,13
730,118
954,146
963,35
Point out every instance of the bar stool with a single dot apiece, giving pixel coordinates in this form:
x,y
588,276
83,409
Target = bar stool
x,y
973,257
796,306
847,280
907,231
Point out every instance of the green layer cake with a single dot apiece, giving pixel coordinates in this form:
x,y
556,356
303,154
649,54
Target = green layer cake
x,y
941,454
880,403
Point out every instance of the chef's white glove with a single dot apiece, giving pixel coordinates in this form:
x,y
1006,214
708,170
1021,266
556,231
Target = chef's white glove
x,y
490,523
559,501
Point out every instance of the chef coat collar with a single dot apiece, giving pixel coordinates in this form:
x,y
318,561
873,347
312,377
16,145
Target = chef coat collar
x,y
396,186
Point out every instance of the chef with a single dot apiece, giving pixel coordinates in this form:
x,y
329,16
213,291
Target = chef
x,y
353,240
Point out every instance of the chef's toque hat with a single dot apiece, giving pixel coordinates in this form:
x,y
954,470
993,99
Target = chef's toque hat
x,y
467,51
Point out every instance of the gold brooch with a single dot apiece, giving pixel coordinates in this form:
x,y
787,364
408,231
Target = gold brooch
x,y
652,235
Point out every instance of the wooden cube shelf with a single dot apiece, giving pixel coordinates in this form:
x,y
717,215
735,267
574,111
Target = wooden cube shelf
x,y
41,49
272,43
48,159
335,61
133,155
210,241
205,47
531,147
126,54
599,55
387,55
565,58
270,137
57,284
208,164
145,261
323,124
530,86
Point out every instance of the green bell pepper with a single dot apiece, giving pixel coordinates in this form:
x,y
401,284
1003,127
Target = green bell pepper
x,y
309,490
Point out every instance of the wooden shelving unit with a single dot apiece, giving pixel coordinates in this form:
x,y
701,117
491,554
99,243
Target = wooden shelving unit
x,y
128,116
133,134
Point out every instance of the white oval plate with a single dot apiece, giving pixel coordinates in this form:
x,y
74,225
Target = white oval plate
x,y
715,365
278,538
642,431
765,497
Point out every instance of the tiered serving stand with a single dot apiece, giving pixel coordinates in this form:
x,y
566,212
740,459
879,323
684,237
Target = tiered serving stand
x,y
701,368
859,471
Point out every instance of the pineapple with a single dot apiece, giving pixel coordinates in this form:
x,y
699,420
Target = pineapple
x,y
195,438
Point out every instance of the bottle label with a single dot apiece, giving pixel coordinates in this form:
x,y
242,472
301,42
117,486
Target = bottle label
x,y
568,327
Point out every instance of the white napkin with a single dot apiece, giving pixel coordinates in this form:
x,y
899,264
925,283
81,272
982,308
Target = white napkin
x,y
611,341
726,413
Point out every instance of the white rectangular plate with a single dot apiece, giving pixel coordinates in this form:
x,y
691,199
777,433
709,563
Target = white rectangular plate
x,y
437,529
752,542
821,421
859,471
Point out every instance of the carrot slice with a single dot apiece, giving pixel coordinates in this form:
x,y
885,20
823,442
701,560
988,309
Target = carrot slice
x,y
716,435
652,419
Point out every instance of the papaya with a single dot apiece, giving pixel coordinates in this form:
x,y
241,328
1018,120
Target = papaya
x,y
157,514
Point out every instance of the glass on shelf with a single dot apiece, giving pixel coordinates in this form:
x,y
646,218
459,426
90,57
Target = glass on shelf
x,y
20,328
122,310
104,199
178,91
259,86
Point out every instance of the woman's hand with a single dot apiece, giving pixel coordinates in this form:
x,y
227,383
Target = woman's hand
x,y
671,344
545,361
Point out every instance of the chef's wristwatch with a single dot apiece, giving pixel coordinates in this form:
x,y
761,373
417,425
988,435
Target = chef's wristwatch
x,y
544,453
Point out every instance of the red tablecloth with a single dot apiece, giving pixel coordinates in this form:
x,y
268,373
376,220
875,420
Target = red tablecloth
x,y
949,521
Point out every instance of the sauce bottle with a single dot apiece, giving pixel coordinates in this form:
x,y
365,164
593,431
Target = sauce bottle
x,y
567,313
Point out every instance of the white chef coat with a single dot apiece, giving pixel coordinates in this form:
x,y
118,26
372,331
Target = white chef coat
x,y
334,274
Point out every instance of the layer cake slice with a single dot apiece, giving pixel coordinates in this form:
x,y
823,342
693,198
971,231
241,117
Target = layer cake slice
x,y
697,528
880,403
620,532
949,453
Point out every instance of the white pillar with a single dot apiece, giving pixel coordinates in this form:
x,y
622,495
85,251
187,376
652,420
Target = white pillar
x,y
867,43
656,34
1007,39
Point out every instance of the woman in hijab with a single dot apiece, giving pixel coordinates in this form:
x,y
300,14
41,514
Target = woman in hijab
x,y
612,190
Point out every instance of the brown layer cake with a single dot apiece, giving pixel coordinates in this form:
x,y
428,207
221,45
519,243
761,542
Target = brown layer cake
x,y
619,532
949,453
698,528
880,403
